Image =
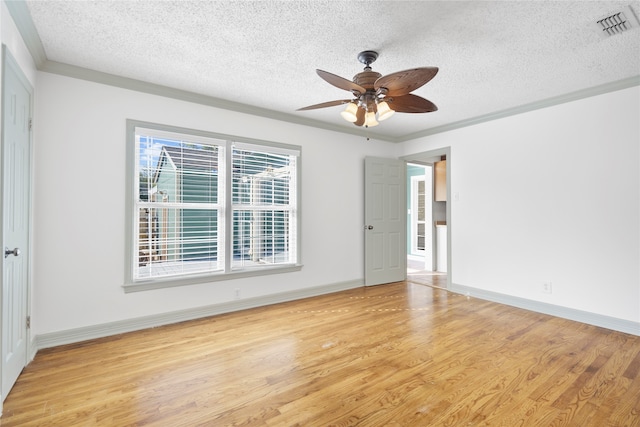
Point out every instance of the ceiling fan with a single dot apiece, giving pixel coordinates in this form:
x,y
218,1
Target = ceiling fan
x,y
375,94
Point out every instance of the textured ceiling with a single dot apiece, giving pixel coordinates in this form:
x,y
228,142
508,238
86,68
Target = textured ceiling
x,y
492,55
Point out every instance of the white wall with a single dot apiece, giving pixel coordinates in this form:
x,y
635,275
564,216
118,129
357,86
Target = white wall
x,y
80,205
550,195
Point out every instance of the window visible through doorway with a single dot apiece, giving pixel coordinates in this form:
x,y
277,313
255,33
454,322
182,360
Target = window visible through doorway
x,y
418,217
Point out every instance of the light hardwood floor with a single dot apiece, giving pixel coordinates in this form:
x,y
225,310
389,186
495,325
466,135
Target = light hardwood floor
x,y
403,354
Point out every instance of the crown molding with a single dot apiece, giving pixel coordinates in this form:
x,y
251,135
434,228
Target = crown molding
x,y
549,102
22,18
165,91
183,95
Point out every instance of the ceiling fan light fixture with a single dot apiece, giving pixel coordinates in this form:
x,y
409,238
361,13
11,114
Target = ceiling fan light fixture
x,y
370,119
384,111
372,92
349,113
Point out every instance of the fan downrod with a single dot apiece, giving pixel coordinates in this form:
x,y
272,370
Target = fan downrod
x,y
368,57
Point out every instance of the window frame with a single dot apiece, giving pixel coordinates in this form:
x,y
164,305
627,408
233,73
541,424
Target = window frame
x,y
415,221
132,284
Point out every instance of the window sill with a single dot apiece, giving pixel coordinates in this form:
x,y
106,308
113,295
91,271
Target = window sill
x,y
171,282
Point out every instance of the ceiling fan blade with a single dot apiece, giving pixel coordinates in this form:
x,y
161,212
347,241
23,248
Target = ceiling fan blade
x,y
403,82
360,115
410,104
325,104
340,82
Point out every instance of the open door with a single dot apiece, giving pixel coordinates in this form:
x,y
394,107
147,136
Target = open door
x,y
385,221
16,161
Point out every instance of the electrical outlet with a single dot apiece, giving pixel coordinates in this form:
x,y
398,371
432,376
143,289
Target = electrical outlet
x,y
546,287
237,294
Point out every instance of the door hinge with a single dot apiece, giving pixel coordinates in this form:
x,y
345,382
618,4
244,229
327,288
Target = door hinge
x,y
28,322
30,123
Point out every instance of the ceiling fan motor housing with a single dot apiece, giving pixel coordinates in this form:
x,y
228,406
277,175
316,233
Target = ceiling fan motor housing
x,y
366,79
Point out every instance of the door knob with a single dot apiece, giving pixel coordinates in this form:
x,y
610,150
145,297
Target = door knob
x,y
14,252
368,227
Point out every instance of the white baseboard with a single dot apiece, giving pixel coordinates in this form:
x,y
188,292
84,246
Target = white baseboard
x,y
600,320
129,325
32,349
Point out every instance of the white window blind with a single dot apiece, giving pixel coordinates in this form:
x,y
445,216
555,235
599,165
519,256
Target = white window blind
x,y
181,205
264,207
178,205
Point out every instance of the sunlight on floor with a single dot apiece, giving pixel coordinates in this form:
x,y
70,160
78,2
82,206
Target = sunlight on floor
x,y
417,274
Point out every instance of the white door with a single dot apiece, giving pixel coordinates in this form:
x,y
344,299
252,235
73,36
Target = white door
x,y
16,108
385,221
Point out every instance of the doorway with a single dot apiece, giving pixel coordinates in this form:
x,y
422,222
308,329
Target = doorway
x,y
428,218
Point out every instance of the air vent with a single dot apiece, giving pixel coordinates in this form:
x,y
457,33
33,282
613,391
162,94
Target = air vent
x,y
618,22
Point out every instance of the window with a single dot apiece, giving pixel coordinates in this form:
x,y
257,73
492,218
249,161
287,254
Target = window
x,y
209,205
418,223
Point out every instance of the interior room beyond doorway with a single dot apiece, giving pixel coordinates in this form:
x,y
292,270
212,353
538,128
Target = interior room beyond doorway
x,y
426,216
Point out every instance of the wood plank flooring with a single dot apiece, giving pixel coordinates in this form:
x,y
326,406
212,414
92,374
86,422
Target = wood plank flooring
x,y
402,354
